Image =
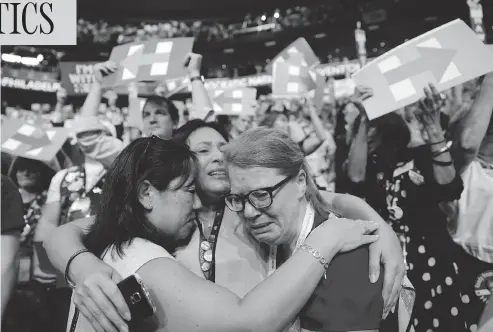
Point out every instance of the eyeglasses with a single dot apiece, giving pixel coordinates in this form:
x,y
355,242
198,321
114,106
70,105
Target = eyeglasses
x,y
259,198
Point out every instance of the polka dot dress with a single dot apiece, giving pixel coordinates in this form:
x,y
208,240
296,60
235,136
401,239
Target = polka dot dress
x,y
439,304
408,198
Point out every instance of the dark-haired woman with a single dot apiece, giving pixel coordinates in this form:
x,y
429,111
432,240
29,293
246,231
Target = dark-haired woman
x,y
31,293
33,179
145,213
405,186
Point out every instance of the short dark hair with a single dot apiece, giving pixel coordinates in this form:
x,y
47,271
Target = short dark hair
x,y
394,129
121,217
45,172
181,135
173,111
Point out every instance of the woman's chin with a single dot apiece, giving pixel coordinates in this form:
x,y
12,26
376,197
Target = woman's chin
x,y
186,231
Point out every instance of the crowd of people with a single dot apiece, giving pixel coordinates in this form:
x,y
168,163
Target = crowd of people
x,y
102,32
290,218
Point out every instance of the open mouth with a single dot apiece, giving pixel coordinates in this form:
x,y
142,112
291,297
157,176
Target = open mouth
x,y
260,227
217,173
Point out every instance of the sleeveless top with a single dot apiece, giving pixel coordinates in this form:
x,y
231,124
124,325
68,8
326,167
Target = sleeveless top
x,y
76,203
135,255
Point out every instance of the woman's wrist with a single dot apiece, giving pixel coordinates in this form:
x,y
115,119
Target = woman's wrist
x,y
80,265
327,247
194,73
434,135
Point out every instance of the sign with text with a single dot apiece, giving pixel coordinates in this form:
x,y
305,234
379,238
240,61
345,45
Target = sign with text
x,y
77,77
29,80
152,60
446,56
39,22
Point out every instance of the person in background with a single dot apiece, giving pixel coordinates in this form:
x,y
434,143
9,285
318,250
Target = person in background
x,y
12,226
114,114
74,192
471,218
33,178
239,124
406,186
58,115
30,296
314,140
160,117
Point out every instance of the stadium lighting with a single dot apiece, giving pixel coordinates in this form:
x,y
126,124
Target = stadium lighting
x,y
28,61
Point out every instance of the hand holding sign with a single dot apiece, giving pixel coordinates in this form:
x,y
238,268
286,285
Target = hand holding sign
x,y
431,105
361,93
103,69
193,63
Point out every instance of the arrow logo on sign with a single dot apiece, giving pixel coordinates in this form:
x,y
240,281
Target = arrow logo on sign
x,y
431,59
37,139
132,63
221,99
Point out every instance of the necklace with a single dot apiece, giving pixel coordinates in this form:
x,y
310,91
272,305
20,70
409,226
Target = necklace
x,y
207,247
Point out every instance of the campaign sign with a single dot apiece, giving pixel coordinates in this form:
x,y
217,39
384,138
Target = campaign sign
x,y
31,141
152,60
234,101
446,56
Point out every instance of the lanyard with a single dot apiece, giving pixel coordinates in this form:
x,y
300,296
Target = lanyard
x,y
306,228
207,247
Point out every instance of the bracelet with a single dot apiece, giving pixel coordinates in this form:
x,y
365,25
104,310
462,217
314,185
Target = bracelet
x,y
316,254
439,142
197,78
67,279
446,148
442,163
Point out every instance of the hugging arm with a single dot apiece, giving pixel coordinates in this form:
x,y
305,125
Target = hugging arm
x,y
87,269
386,251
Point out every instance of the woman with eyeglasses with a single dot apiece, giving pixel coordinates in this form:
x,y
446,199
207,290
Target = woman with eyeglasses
x,y
144,217
220,250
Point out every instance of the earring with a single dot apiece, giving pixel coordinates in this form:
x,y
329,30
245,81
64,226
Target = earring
x,y
150,207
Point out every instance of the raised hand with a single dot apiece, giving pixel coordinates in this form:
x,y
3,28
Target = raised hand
x,y
193,63
103,69
61,95
430,107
